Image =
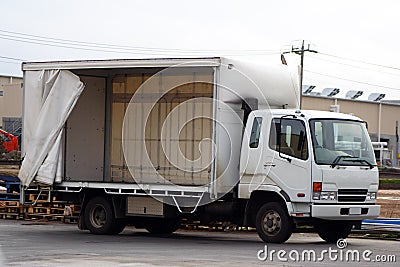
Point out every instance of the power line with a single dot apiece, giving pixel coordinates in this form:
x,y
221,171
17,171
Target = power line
x,y
350,80
68,43
110,48
354,66
65,43
70,47
8,62
359,61
129,47
114,50
12,58
72,42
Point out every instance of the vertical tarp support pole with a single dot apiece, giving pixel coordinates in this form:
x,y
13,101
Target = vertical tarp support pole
x,y
22,145
214,151
22,195
107,131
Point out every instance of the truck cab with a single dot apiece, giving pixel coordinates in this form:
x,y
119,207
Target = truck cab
x,y
320,166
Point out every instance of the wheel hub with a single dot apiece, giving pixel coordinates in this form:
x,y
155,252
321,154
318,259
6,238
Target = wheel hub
x,y
98,216
272,222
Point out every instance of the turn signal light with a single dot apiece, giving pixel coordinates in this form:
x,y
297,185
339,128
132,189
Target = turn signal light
x,y
317,186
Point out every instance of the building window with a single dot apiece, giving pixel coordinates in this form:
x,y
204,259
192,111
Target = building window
x,y
1,93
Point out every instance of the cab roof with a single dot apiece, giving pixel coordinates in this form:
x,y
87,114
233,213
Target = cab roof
x,y
312,114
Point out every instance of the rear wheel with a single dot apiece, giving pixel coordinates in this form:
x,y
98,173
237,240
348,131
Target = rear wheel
x,y
162,226
331,231
99,217
273,223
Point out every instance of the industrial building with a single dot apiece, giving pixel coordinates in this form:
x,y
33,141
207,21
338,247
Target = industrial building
x,y
382,116
11,104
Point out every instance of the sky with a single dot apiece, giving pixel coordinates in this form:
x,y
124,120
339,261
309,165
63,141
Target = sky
x,y
357,41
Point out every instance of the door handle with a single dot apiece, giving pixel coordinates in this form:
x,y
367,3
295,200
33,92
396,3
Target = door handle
x,y
269,164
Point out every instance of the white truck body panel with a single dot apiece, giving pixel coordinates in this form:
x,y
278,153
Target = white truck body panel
x,y
92,150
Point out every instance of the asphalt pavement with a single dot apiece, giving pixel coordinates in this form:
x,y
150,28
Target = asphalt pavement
x,y
24,243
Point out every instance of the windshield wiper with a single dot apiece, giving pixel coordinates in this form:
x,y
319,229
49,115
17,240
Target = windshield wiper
x,y
361,161
338,158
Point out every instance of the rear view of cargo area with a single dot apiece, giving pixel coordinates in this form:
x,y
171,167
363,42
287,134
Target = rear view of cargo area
x,y
141,125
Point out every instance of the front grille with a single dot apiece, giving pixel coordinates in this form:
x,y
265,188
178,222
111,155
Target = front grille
x,y
352,195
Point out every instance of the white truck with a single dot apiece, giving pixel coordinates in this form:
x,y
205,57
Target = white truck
x,y
152,142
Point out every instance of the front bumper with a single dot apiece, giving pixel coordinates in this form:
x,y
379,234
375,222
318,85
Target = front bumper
x,y
345,212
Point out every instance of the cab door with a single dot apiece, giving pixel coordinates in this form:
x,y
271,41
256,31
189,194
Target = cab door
x,y
291,161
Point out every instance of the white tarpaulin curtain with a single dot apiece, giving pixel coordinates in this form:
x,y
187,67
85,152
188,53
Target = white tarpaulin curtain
x,y
49,97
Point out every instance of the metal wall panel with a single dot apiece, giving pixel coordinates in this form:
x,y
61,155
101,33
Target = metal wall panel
x,y
84,149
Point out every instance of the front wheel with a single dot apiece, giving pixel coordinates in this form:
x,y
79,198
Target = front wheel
x,y
331,231
273,223
99,217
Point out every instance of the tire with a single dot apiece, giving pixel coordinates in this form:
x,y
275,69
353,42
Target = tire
x,y
99,217
331,231
162,226
273,223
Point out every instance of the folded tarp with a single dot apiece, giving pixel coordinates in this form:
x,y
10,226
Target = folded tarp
x,y
49,98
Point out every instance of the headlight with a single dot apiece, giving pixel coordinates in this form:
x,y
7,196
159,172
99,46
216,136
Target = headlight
x,y
324,195
371,196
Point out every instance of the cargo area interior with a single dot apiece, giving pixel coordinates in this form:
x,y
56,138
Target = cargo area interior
x,y
93,138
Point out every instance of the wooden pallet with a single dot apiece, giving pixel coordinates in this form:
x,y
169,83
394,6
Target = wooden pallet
x,y
43,216
42,210
10,203
38,198
10,216
11,210
37,210
70,219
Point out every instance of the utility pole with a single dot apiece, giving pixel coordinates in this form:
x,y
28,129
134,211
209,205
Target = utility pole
x,y
396,157
300,51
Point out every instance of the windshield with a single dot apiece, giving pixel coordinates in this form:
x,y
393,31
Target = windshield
x,y
341,142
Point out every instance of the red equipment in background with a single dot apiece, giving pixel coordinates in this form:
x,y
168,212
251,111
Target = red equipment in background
x,y
8,141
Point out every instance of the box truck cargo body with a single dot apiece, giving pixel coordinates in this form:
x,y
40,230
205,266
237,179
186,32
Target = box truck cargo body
x,y
92,146
149,142
86,129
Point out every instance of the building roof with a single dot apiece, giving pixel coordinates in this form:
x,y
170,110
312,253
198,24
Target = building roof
x,y
384,102
10,76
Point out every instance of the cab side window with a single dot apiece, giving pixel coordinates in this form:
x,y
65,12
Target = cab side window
x,y
289,137
255,132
